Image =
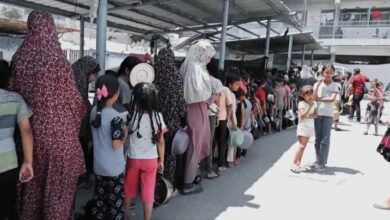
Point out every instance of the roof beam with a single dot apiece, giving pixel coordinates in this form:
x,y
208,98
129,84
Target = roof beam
x,y
182,14
126,18
166,20
56,11
136,5
35,6
255,19
264,25
246,30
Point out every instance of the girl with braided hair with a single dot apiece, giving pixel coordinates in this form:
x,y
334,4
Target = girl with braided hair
x,y
147,146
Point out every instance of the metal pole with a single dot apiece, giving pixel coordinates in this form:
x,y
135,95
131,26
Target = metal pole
x,y
267,41
303,54
290,44
223,35
312,58
101,35
82,29
336,17
304,13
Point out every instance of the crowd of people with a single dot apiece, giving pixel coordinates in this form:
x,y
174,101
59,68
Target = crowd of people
x,y
125,137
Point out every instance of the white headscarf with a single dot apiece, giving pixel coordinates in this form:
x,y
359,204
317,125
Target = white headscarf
x,y
197,85
306,73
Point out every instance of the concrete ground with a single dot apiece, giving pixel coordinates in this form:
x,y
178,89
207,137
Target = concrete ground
x,y
263,187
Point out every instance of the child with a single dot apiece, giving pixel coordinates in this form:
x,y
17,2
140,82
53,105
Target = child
x,y
336,106
280,103
13,111
241,120
372,114
108,135
305,129
147,130
233,83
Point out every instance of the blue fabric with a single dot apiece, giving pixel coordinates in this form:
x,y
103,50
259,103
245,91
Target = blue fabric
x,y
323,127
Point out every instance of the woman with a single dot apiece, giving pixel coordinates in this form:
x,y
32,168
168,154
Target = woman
x,y
43,76
173,107
197,94
85,70
325,96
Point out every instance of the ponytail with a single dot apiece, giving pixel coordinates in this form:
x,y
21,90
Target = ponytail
x,y
98,119
107,87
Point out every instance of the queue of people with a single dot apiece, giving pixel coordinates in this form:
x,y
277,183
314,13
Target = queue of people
x,y
125,137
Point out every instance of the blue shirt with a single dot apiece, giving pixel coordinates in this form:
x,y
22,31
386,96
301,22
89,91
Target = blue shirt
x,y
107,161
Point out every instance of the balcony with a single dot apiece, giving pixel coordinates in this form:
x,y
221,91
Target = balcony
x,y
369,33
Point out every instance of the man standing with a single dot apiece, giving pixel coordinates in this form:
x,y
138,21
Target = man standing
x,y
357,86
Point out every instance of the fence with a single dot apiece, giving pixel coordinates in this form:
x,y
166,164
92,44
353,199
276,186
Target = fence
x,y
351,29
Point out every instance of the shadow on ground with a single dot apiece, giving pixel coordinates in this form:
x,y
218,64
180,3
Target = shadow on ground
x,y
229,189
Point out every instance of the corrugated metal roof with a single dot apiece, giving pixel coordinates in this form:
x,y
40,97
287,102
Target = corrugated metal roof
x,y
165,16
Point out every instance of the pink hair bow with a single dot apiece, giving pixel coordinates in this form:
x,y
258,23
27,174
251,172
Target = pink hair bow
x,y
101,92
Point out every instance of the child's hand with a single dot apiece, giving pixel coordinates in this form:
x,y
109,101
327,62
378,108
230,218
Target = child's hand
x,y
26,172
160,167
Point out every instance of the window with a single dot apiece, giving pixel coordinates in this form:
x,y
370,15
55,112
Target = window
x,y
353,17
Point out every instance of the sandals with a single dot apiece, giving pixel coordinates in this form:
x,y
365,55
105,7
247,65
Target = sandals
x,y
382,205
296,169
195,189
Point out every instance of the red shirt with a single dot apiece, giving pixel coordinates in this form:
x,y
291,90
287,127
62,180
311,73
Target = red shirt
x,y
357,83
260,94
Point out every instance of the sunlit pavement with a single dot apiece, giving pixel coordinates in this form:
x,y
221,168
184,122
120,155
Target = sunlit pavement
x,y
263,187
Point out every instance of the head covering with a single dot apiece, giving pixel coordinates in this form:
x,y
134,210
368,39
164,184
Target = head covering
x,y
44,77
216,85
197,86
144,58
82,68
305,72
169,82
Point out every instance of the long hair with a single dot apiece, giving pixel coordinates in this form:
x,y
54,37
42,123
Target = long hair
x,y
145,100
111,83
328,66
304,91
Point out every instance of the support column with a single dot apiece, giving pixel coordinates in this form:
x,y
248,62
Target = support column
x,y
223,35
336,17
312,58
289,54
332,55
304,13
267,41
82,29
303,55
101,35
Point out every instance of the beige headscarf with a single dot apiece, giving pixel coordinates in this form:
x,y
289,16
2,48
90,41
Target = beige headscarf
x,y
197,85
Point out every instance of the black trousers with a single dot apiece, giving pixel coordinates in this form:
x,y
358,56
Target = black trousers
x,y
356,106
109,198
8,181
221,136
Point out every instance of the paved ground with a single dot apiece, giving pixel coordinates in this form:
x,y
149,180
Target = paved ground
x,y
262,187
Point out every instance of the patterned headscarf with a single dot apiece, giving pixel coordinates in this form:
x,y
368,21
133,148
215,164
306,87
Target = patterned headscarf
x,y
169,82
197,86
39,66
82,68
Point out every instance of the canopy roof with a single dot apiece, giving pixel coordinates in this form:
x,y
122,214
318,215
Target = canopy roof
x,y
149,17
278,44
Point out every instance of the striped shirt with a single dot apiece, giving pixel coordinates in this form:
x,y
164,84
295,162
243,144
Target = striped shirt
x,y
13,110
